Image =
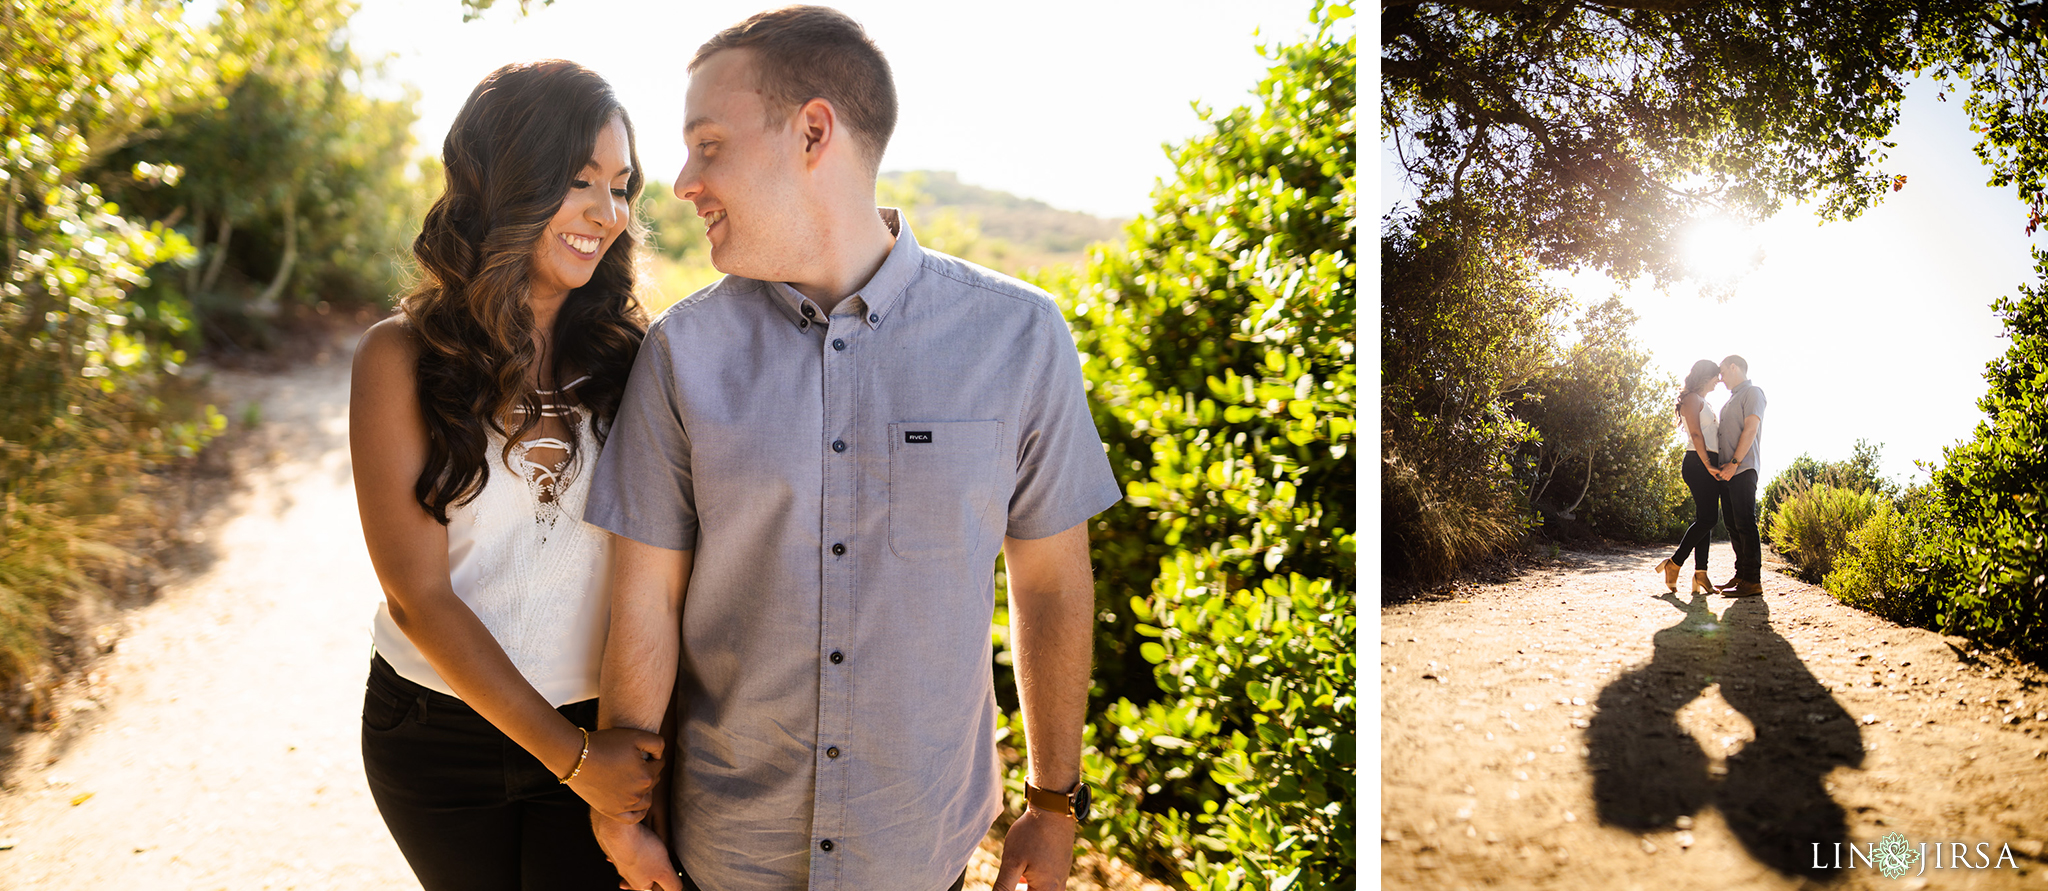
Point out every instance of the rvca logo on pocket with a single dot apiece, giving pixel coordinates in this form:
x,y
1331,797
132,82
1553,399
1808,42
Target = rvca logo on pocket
x,y
923,436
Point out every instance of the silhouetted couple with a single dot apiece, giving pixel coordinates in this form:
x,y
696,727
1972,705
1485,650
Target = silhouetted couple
x,y
1649,770
1720,468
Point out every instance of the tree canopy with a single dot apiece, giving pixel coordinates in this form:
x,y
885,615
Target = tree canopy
x,y
1594,131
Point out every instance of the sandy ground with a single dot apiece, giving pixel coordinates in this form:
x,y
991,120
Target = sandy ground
x,y
1578,727
217,745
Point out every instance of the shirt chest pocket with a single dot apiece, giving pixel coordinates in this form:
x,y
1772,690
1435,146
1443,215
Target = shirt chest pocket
x,y
942,477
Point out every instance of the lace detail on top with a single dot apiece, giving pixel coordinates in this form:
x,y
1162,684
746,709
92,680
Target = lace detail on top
x,y
534,556
544,481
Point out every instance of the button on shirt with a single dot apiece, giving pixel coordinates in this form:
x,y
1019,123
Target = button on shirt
x,y
1748,399
845,481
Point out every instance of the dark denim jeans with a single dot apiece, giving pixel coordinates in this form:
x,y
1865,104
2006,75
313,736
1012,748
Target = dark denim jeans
x,y
468,807
1742,531
1706,509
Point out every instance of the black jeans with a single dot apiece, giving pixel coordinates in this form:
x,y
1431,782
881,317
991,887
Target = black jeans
x,y
468,807
1706,508
1742,531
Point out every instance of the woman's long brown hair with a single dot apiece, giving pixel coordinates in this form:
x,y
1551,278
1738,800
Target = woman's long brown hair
x,y
526,131
1698,380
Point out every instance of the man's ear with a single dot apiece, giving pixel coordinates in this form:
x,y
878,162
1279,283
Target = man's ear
x,y
818,124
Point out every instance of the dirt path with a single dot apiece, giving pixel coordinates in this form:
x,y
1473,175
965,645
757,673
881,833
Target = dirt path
x,y
1577,727
217,746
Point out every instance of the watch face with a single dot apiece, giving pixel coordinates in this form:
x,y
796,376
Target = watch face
x,y
1081,802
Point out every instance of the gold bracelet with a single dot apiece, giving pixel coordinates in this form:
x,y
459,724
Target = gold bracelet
x,y
579,758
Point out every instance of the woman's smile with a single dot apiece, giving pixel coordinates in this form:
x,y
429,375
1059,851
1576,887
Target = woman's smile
x,y
583,246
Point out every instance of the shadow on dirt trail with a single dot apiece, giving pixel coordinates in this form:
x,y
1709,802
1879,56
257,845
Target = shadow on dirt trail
x,y
1648,772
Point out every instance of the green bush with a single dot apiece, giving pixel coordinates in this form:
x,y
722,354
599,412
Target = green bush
x,y
1605,431
1219,347
1811,528
1859,472
1986,552
1461,331
294,186
86,395
1876,570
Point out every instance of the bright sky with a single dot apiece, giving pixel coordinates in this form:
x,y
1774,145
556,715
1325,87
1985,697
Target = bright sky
x,y
1066,101
1878,328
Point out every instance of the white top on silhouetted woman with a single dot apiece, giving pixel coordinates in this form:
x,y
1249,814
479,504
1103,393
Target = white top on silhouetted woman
x,y
1710,428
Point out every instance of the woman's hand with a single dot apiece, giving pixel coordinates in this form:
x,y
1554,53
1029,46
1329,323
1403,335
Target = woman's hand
x,y
618,775
638,854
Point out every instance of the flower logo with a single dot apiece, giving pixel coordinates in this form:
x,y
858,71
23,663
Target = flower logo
x,y
1895,855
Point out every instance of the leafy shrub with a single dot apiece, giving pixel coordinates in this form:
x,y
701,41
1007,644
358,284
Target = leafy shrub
x,y
1461,330
1811,528
1219,347
82,376
1604,425
1859,473
1876,571
293,186
1986,551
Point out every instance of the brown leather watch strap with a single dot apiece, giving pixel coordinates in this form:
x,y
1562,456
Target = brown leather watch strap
x,y
1047,800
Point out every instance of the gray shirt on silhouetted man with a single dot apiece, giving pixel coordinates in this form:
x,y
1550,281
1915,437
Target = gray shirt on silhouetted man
x,y
1748,399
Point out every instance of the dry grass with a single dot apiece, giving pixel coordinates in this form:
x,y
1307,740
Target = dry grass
x,y
1435,526
90,499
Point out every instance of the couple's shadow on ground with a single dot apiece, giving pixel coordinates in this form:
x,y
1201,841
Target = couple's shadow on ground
x,y
1648,771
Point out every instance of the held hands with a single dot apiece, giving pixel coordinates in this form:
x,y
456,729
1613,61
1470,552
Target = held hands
x,y
1038,851
618,775
638,854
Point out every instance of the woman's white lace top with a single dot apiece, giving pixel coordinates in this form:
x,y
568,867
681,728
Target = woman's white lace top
x,y
524,561
1710,429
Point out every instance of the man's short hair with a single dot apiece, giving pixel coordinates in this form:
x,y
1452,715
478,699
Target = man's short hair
x,y
1738,362
817,52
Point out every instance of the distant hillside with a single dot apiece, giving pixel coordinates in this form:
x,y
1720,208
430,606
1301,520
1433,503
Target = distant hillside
x,y
1029,224
1005,232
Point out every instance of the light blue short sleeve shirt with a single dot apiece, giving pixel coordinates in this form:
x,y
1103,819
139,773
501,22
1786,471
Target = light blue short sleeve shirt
x,y
1748,399
846,481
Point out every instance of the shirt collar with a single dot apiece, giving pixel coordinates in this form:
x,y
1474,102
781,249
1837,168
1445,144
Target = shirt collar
x,y
898,270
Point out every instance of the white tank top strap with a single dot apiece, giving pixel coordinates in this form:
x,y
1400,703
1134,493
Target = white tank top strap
x,y
549,408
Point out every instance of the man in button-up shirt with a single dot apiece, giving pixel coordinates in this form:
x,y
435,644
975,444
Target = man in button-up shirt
x,y
813,470
1741,434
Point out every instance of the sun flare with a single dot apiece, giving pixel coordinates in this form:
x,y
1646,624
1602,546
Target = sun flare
x,y
1720,249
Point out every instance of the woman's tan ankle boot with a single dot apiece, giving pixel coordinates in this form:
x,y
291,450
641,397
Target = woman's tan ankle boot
x,y
1700,581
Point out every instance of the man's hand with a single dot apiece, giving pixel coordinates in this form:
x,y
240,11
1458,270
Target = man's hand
x,y
618,775
639,855
1038,851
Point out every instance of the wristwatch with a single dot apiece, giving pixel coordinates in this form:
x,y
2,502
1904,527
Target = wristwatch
x,y
1073,804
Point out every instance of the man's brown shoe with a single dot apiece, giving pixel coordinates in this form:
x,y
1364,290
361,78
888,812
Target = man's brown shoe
x,y
1744,588
1728,585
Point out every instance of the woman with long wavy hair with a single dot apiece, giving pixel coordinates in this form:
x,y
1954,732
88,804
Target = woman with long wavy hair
x,y
1697,426
475,414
